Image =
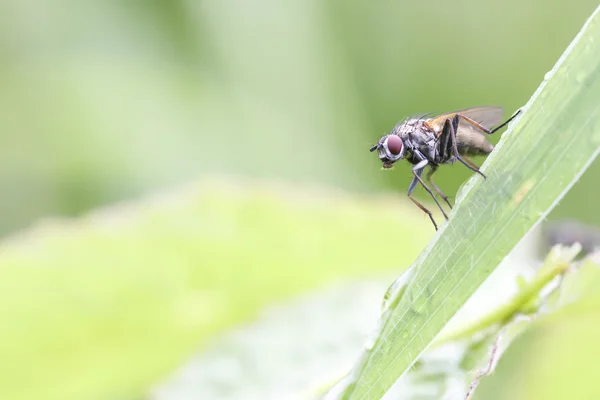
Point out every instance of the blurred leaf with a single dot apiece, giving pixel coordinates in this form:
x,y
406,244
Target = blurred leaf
x,y
105,305
557,357
534,165
526,301
291,349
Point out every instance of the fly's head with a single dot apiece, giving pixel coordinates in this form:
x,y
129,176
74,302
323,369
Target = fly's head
x,y
390,149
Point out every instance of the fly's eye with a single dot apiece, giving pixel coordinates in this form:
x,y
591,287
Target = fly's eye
x,y
394,144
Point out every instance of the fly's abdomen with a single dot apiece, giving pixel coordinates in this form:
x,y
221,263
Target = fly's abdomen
x,y
473,143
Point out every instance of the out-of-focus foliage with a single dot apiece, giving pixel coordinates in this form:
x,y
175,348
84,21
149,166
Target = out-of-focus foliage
x,y
556,358
102,100
106,305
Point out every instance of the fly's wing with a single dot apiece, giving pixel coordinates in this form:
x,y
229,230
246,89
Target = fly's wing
x,y
487,116
470,139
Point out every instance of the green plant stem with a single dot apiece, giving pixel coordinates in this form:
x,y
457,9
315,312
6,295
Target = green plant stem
x,y
553,267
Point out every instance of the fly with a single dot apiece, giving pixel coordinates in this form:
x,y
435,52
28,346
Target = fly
x,y
444,139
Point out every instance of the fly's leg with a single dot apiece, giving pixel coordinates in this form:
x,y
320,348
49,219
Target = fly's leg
x,y
412,186
417,171
505,123
450,128
471,162
429,178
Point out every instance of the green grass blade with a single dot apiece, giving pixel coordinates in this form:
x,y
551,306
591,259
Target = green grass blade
x,y
537,161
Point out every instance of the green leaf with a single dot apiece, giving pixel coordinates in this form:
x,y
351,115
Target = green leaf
x,y
536,162
103,306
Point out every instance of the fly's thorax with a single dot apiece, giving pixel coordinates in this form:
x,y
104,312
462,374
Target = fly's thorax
x,y
424,141
406,128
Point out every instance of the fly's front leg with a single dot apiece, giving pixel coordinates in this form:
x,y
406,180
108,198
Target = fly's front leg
x,y
412,186
450,128
417,171
429,178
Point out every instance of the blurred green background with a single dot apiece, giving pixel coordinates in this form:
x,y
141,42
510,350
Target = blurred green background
x,y
107,100
104,101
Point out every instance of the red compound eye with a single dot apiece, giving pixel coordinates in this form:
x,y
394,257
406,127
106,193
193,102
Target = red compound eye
x,y
394,144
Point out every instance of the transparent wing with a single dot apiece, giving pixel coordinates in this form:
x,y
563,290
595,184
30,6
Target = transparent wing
x,y
488,116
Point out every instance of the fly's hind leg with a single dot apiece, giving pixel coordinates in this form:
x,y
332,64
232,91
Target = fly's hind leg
x,y
505,123
450,128
429,178
483,128
471,162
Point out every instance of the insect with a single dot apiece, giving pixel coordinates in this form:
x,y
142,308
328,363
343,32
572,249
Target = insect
x,y
443,139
